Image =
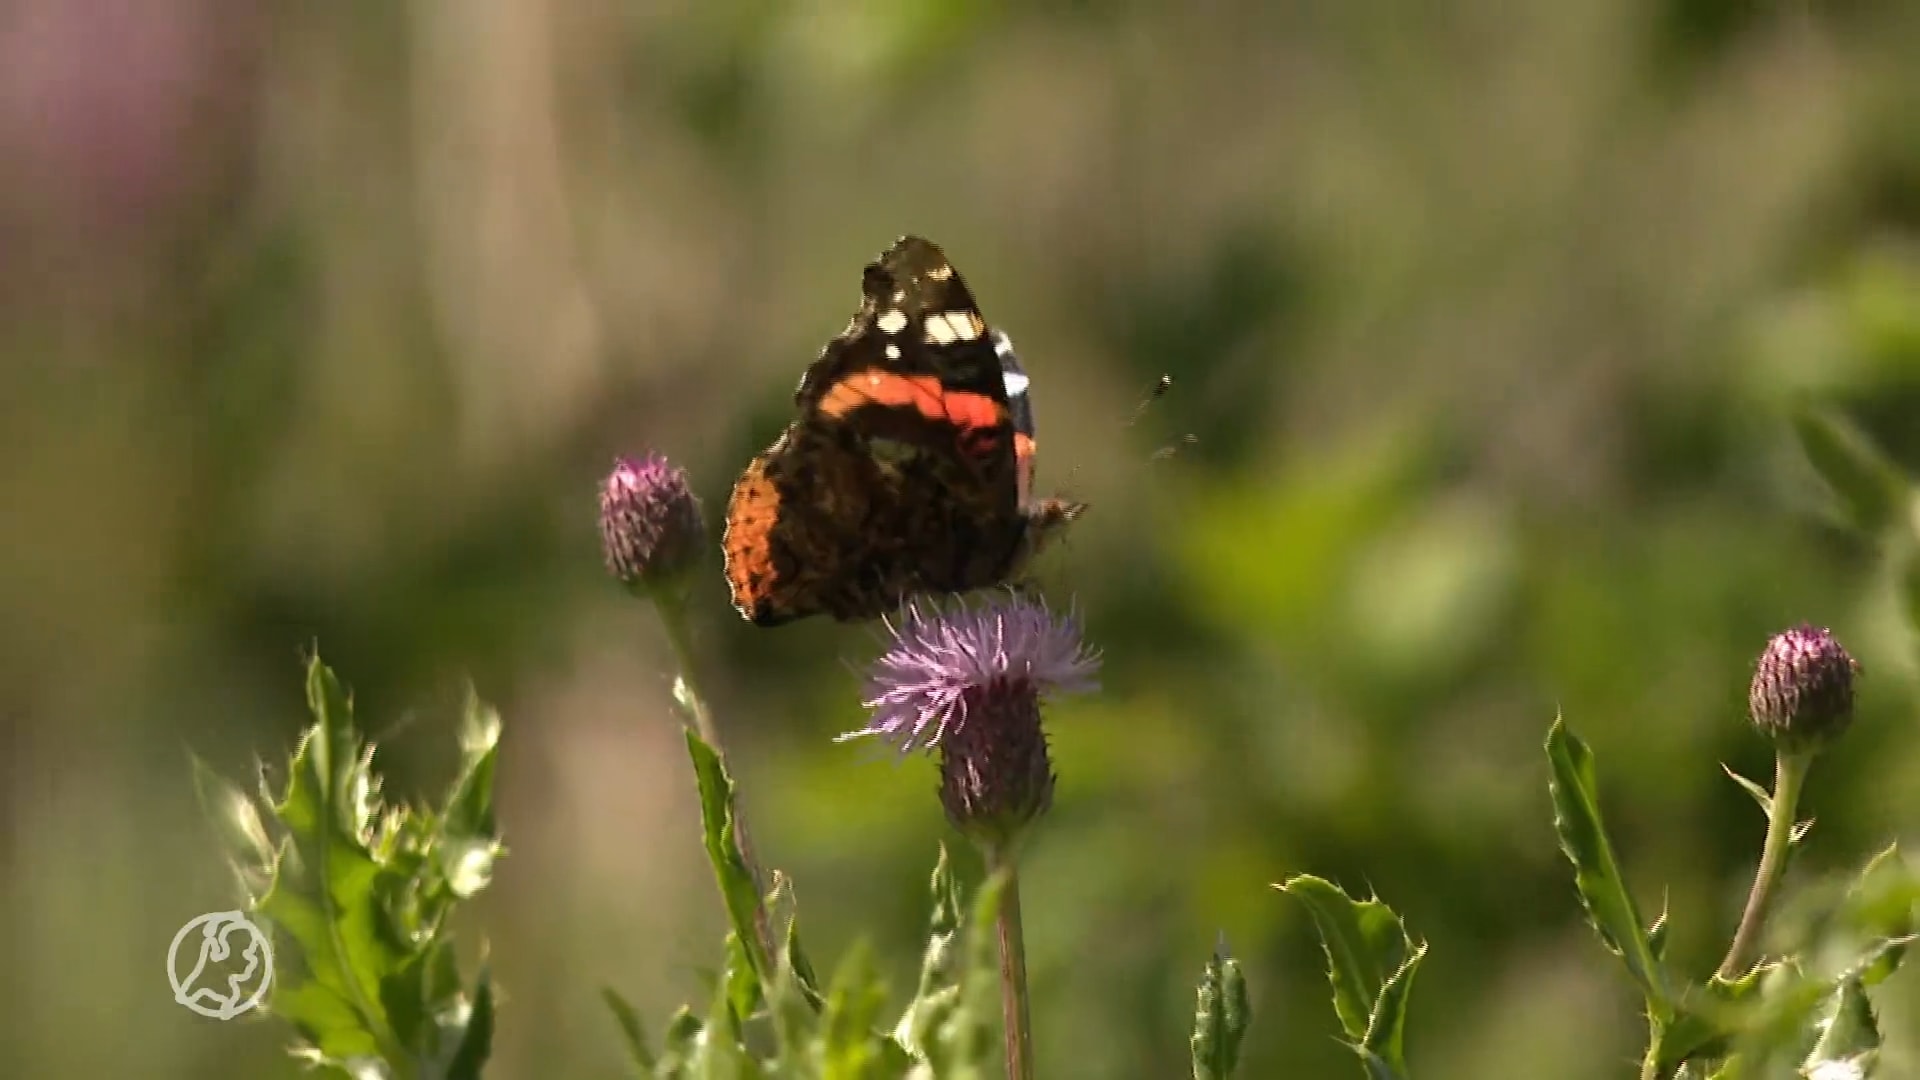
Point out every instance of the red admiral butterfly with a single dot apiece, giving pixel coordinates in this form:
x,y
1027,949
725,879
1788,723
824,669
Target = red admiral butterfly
x,y
909,469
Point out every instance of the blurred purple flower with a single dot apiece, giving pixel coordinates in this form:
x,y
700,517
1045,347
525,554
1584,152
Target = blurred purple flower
x,y
1802,691
968,681
651,528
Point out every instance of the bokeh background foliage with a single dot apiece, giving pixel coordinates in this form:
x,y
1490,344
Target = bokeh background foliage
x,y
319,323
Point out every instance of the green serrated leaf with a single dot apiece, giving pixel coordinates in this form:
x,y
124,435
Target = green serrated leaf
x,y
633,1035
1871,490
327,892
1705,1022
1851,1035
326,1018
1657,933
793,954
1597,874
679,1042
476,1038
793,1020
1378,1068
738,890
719,1054
1387,1026
1221,1015
934,995
893,1059
962,1042
356,894
1879,908
743,987
848,1045
468,840
243,835
1779,1020
1365,943
1760,794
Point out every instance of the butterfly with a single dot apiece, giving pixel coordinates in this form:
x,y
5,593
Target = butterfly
x,y
909,467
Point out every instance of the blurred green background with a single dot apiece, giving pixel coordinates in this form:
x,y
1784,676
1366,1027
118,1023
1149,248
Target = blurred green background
x,y
320,323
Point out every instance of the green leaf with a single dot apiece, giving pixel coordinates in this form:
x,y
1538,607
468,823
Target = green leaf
x,y
1851,1035
1879,909
1705,1022
1386,1028
632,1034
1379,1068
1871,490
743,987
358,894
719,1053
1221,1015
793,1019
476,1039
737,888
1657,933
249,848
1778,1021
962,1042
935,996
849,1046
1760,794
1597,875
328,892
794,955
679,1043
468,844
1365,942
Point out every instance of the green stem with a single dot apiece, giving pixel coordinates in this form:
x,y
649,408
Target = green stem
x,y
1789,775
1014,1013
673,618
1650,1065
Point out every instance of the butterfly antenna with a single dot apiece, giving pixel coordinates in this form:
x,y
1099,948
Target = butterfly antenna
x,y
1160,388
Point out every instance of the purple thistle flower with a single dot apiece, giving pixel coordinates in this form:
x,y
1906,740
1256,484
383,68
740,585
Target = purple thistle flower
x,y
651,528
968,681
1802,691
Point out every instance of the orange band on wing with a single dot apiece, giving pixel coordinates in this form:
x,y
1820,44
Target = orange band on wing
x,y
1023,447
921,393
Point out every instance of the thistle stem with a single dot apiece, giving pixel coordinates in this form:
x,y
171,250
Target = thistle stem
x,y
1013,966
673,619
1789,775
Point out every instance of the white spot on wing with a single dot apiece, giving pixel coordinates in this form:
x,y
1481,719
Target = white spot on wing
x,y
891,321
1016,382
947,327
893,352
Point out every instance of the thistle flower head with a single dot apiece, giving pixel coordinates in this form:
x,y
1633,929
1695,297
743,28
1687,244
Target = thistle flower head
x,y
651,528
968,681
1802,692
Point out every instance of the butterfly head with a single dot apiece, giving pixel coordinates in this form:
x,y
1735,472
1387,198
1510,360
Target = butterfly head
x,y
1046,520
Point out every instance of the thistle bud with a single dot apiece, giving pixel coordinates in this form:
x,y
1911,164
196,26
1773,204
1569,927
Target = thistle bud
x,y
1802,693
651,528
